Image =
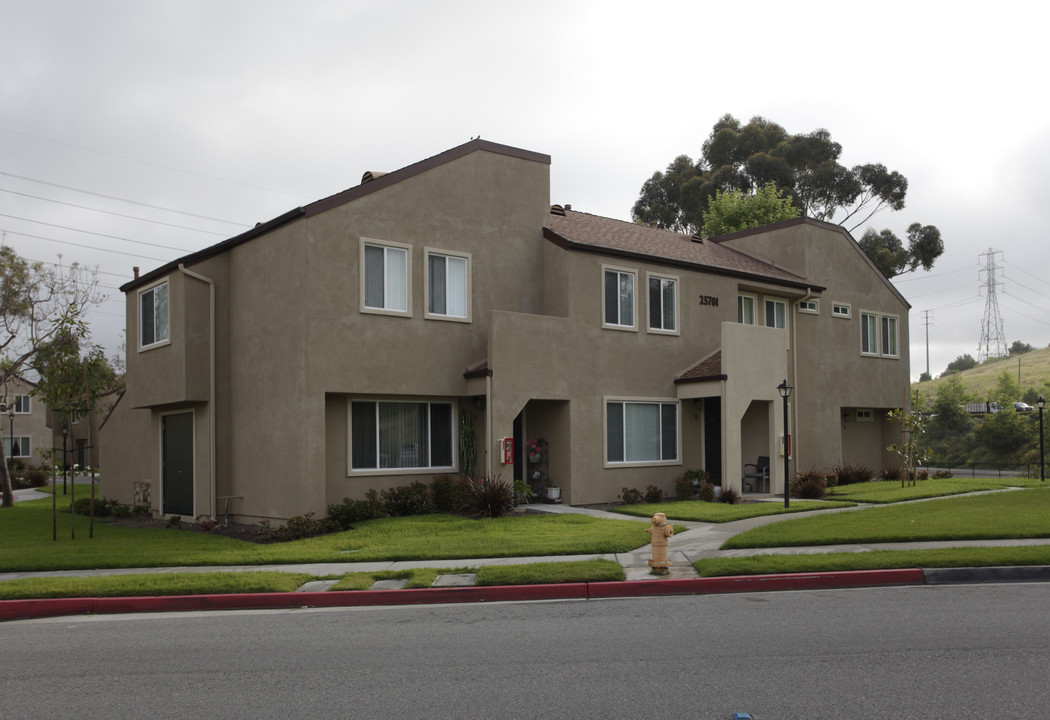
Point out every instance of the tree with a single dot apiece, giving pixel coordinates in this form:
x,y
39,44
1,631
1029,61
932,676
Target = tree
x,y
805,167
36,302
733,210
747,157
1005,434
891,257
951,427
963,362
1020,348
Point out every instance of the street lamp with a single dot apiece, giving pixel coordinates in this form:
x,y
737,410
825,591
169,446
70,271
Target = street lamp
x,y
1042,468
785,391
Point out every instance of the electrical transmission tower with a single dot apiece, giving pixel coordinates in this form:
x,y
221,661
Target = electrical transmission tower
x,y
993,339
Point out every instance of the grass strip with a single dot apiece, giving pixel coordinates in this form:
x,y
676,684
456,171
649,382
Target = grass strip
x,y
699,511
874,560
551,572
1019,514
26,541
890,491
216,583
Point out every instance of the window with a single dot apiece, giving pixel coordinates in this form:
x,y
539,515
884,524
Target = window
x,y
839,310
808,306
448,285
153,315
619,298
400,435
20,404
663,304
745,309
641,432
385,283
776,314
17,447
889,336
869,339
864,416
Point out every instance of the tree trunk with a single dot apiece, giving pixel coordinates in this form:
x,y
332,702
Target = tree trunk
x,y
5,479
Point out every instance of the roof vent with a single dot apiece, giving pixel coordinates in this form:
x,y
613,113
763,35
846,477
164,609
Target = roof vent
x,y
557,210
371,175
697,238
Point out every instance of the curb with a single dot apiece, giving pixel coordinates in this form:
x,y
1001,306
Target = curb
x,y
56,607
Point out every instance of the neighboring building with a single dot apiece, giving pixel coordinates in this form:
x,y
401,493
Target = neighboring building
x,y
336,348
23,422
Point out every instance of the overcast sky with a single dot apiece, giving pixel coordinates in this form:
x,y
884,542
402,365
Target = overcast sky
x,y
133,132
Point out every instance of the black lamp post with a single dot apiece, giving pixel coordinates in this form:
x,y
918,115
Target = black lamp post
x,y
785,391
11,419
1042,468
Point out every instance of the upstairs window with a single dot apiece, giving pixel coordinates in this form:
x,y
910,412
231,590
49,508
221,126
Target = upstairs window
x,y
776,314
745,309
619,298
808,306
20,404
840,310
869,338
448,293
153,315
386,278
663,304
889,336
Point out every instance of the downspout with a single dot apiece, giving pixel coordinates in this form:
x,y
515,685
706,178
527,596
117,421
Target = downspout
x,y
488,425
211,384
794,374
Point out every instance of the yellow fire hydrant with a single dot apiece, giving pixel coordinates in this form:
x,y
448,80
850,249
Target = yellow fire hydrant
x,y
661,530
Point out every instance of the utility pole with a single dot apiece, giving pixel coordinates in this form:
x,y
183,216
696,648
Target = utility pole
x,y
927,322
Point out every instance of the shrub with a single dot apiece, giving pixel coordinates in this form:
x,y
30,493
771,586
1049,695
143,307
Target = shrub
x,y
853,474
104,507
809,485
697,476
730,496
631,496
830,480
707,492
653,494
450,493
302,526
683,488
414,499
492,497
940,474
892,473
207,524
350,511
175,521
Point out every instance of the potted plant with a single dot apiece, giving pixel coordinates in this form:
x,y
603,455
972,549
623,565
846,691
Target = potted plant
x,y
554,493
534,447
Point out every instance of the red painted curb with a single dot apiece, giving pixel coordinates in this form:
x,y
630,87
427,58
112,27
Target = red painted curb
x,y
54,607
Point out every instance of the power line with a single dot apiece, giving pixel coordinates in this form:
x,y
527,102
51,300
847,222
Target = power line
x,y
91,232
147,162
110,212
125,200
81,245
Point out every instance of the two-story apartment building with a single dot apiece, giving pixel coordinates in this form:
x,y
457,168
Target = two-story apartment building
x,y
23,423
338,348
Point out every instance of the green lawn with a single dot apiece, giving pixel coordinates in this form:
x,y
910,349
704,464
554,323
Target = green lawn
x,y
698,511
26,544
890,491
1015,514
153,584
875,560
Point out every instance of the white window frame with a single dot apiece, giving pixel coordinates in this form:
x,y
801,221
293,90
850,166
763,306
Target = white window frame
x,y
386,309
20,405
25,444
870,331
775,302
661,403
620,325
865,416
740,316
166,326
889,343
466,259
840,310
811,307
454,440
673,281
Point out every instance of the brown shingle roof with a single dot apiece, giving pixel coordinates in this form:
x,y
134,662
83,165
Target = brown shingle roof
x,y
582,231
707,369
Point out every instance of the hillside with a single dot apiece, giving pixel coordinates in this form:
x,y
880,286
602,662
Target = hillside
x,y
1034,370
